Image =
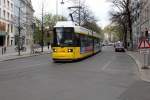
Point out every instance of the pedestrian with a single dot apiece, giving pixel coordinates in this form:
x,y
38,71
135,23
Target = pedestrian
x,y
4,49
32,48
48,45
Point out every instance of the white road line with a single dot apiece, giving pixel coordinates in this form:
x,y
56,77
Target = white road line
x,y
106,65
22,67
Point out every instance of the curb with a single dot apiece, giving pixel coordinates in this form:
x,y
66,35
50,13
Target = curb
x,y
141,72
24,56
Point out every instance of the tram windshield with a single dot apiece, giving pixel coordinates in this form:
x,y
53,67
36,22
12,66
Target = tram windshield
x,y
64,37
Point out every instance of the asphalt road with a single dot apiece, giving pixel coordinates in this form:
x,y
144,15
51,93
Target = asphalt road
x,y
105,76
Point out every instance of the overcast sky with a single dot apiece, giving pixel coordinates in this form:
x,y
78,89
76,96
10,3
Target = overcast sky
x,y
100,8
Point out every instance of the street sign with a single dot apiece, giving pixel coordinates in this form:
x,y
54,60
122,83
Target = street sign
x,y
144,44
144,51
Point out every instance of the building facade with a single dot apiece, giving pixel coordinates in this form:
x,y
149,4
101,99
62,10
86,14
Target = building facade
x,y
141,19
6,22
9,21
136,23
26,20
145,17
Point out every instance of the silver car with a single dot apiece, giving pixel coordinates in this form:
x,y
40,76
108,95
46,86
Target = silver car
x,y
119,47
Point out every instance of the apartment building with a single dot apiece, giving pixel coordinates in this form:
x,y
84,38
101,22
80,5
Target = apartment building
x,y
141,19
136,24
6,22
29,21
9,21
145,17
26,20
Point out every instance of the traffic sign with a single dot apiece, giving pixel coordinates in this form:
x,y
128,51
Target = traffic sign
x,y
144,51
144,44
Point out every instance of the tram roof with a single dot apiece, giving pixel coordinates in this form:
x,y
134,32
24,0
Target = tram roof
x,y
77,28
65,24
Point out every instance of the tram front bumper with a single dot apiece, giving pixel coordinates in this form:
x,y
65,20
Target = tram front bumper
x,y
63,56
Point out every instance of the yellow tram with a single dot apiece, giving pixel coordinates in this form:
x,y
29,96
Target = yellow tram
x,y
72,42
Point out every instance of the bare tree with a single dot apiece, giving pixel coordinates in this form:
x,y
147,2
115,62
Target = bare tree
x,y
82,15
120,21
123,17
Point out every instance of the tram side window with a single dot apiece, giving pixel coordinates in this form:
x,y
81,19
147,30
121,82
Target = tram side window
x,y
82,39
86,41
91,41
97,41
77,40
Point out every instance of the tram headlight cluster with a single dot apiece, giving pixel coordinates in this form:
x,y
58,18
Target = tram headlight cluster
x,y
70,50
54,50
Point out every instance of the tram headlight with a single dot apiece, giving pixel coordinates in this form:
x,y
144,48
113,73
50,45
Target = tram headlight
x,y
54,50
70,50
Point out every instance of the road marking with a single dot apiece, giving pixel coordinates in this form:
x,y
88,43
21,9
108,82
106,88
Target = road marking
x,y
106,65
23,67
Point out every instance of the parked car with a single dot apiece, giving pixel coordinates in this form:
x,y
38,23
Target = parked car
x,y
119,47
110,44
104,44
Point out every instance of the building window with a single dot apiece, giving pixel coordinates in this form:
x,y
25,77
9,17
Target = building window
x,y
11,28
4,2
4,13
0,12
8,15
8,3
11,6
8,28
11,17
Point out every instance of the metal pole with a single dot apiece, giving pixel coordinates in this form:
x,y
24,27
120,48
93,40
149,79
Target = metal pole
x,y
93,42
145,66
79,14
42,28
56,7
144,61
149,58
62,3
19,30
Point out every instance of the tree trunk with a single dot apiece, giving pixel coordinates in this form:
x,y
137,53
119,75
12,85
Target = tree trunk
x,y
125,36
129,23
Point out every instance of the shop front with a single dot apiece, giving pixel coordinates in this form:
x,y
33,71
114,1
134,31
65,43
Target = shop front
x,y
2,33
2,38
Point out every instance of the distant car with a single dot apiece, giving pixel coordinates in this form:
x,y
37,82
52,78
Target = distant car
x,y
110,44
104,44
119,47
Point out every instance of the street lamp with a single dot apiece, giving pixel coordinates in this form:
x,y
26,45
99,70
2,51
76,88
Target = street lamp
x,y
62,2
42,27
19,28
56,7
57,4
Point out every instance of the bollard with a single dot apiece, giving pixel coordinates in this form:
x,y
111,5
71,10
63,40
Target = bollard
x,y
149,59
145,58
4,50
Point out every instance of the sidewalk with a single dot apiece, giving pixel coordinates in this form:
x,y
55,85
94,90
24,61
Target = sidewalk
x,y
144,73
11,54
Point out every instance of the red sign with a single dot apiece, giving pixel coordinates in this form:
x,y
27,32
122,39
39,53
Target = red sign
x,y
144,44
